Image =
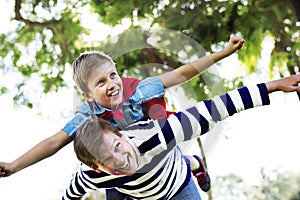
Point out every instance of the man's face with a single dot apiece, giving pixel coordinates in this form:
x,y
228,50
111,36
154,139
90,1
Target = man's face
x,y
105,86
118,155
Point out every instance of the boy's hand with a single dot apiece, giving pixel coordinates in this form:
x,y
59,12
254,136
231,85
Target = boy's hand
x,y
235,43
5,169
287,84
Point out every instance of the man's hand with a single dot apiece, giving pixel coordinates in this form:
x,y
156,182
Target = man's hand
x,y
287,84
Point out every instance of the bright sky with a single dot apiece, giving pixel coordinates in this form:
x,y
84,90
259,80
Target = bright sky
x,y
262,137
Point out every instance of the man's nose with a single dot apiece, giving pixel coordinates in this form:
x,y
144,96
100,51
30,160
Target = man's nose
x,y
119,160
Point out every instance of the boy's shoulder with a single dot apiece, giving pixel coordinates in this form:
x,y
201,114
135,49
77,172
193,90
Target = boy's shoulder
x,y
85,107
129,86
134,88
137,83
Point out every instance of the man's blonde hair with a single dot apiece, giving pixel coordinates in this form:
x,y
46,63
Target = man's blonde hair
x,y
85,64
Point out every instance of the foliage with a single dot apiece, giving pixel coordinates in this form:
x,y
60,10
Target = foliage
x,y
48,35
273,185
42,44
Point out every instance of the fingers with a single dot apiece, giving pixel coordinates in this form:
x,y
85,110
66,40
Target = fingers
x,y
287,84
237,42
290,84
2,173
240,43
236,39
296,82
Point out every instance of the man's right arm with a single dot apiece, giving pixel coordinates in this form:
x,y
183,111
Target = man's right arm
x,y
83,182
42,150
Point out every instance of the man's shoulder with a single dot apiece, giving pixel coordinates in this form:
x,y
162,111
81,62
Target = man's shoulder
x,y
142,128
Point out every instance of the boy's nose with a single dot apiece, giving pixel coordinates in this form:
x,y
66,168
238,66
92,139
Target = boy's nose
x,y
111,86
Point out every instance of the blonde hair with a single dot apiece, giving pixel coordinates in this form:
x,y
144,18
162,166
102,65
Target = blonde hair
x,y
85,64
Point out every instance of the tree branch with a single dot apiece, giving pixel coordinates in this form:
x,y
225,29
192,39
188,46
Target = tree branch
x,y
20,18
295,5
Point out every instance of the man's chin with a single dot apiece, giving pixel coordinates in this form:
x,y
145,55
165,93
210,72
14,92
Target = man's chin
x,y
126,173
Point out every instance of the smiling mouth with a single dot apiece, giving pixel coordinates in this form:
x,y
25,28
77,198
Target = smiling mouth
x,y
114,93
125,166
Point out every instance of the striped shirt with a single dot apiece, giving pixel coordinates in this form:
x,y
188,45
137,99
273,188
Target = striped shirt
x,y
162,170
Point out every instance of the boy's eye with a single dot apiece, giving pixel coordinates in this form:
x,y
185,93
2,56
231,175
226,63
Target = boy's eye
x,y
113,75
100,82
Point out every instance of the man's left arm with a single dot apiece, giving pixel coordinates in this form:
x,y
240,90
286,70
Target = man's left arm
x,y
201,118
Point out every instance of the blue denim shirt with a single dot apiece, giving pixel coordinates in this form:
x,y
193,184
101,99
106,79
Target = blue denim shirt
x,y
132,109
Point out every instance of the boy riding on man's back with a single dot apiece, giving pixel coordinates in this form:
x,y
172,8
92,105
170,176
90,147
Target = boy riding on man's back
x,y
121,101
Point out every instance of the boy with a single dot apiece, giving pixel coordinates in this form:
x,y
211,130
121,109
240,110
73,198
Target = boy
x,y
142,160
102,87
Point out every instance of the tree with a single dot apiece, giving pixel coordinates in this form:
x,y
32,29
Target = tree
x,y
274,185
230,186
51,34
43,43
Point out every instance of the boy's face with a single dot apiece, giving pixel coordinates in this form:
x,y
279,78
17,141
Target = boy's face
x,y
117,155
106,86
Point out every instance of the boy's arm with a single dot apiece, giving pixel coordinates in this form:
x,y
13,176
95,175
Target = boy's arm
x,y
190,70
42,150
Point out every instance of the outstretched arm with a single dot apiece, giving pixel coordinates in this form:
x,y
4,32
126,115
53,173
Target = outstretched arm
x,y
190,70
203,117
287,84
39,152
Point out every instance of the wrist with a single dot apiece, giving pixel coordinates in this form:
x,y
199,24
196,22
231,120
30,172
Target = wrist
x,y
217,56
226,52
271,86
13,168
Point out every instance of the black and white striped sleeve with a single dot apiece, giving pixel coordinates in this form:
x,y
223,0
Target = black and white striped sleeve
x,y
201,118
80,184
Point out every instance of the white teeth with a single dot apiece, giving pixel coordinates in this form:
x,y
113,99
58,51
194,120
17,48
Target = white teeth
x,y
114,93
124,166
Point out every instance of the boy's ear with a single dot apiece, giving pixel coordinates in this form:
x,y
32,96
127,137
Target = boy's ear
x,y
88,97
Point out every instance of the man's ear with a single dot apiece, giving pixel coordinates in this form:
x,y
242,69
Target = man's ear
x,y
96,169
88,97
122,135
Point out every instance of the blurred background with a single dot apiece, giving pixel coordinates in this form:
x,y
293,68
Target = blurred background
x,y
252,155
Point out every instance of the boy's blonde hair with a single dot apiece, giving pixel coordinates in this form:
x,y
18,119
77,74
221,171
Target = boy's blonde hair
x,y
85,64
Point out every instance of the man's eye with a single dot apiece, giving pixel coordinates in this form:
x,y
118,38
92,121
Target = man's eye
x,y
117,146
